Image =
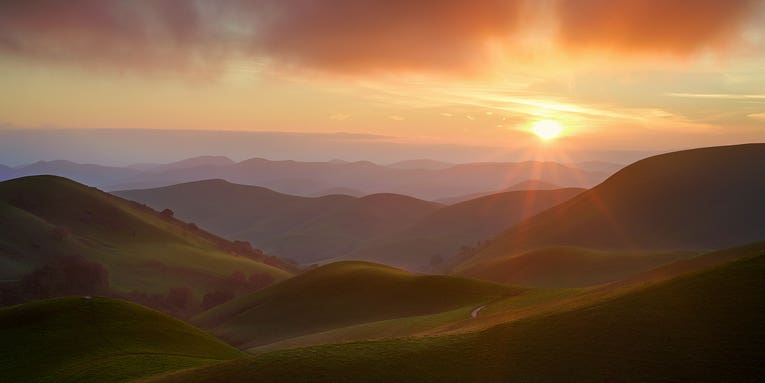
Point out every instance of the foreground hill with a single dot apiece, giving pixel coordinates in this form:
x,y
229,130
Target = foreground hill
x,y
427,244
47,220
706,198
705,326
98,340
300,228
339,295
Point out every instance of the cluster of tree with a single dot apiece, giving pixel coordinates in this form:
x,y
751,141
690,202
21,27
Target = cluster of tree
x,y
62,276
239,248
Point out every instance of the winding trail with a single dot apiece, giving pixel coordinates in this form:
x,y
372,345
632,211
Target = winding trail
x,y
474,313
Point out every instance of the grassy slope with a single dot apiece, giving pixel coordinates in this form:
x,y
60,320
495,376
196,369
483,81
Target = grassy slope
x,y
98,340
559,267
444,231
301,228
339,295
706,326
107,229
706,198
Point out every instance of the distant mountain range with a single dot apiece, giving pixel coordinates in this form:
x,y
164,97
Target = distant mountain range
x,y
423,179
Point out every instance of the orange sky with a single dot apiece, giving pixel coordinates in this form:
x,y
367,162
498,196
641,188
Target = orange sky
x,y
622,74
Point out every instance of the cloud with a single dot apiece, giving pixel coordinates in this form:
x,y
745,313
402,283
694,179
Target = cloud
x,y
139,34
347,36
650,26
354,35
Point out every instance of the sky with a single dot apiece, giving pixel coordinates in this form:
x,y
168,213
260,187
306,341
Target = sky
x,y
452,79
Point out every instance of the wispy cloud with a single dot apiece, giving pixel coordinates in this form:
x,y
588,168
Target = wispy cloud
x,y
721,96
339,116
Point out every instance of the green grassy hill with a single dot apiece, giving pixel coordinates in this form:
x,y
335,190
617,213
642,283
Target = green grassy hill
x,y
559,267
339,295
47,217
98,340
699,199
300,228
705,326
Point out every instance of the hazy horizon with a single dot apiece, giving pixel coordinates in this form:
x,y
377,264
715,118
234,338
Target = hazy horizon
x,y
122,147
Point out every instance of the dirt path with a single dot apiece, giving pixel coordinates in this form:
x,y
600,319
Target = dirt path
x,y
474,313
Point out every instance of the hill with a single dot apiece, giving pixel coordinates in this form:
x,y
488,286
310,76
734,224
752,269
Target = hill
x,y
339,295
186,163
55,225
98,340
300,228
89,174
427,244
706,198
560,267
520,186
309,178
421,164
706,326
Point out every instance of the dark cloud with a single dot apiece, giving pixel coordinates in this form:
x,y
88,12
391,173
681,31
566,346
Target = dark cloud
x,y
347,36
138,34
650,26
383,34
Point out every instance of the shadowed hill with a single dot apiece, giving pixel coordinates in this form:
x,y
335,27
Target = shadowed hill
x,y
559,267
338,295
706,326
300,228
441,234
695,199
45,218
98,340
521,186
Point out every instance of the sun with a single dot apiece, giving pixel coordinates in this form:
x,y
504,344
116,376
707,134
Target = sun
x,y
547,129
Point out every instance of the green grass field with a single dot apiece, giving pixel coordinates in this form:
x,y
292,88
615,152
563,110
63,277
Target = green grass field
x,y
561,267
141,249
339,295
706,326
98,340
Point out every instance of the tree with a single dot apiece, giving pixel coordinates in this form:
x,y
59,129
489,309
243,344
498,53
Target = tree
x,y
216,298
67,275
179,298
167,213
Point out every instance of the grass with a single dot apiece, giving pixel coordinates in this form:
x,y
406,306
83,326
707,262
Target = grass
x,y
339,295
117,233
706,326
561,267
98,340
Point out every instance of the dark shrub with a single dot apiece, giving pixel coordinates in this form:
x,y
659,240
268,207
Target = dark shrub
x,y
67,275
216,298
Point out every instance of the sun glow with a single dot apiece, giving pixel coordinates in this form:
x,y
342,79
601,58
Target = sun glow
x,y
547,129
